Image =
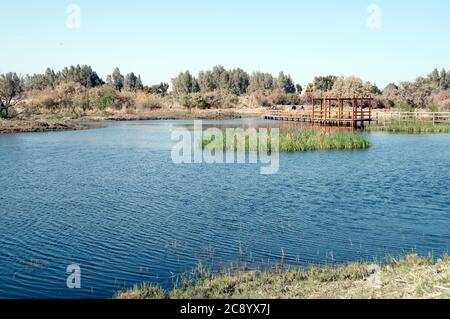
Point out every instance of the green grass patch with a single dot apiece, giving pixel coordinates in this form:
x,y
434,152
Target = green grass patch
x,y
412,128
292,140
296,140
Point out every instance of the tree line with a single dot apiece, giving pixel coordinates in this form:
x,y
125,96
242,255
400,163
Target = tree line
x,y
235,81
219,86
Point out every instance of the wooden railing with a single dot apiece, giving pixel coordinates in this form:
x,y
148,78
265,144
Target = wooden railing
x,y
402,117
333,115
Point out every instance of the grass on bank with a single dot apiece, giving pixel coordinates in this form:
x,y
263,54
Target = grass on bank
x,y
295,140
408,277
411,127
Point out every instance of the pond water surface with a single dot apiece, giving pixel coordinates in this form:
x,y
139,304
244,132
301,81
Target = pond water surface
x,y
112,201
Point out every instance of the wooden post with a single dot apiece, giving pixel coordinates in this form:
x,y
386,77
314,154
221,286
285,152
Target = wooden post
x,y
321,109
329,111
339,112
354,114
313,109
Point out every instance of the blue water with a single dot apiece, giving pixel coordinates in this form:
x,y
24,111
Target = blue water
x,y
112,201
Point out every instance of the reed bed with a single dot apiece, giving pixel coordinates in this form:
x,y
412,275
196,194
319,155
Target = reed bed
x,y
295,140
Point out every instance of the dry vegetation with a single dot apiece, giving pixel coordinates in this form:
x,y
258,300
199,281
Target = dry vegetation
x,y
408,277
77,93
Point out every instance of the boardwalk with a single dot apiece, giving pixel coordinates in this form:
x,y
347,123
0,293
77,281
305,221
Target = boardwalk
x,y
347,112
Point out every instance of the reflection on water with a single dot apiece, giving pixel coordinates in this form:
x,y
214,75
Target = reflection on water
x,y
250,124
112,201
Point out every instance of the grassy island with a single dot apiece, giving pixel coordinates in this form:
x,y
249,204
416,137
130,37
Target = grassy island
x,y
297,140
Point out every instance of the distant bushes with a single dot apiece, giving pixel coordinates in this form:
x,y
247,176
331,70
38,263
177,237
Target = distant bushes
x,y
83,75
79,89
287,98
193,100
211,100
429,92
424,92
77,99
265,98
144,101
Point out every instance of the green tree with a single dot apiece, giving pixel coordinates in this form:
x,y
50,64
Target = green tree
x,y
130,82
160,89
444,80
435,77
89,78
285,83
50,78
324,83
11,90
220,77
353,87
83,75
238,82
139,85
185,83
206,82
117,79
261,82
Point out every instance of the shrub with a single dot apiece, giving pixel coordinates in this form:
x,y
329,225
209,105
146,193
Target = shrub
x,y
50,103
125,102
433,107
103,97
281,98
106,101
442,99
380,102
230,101
407,107
214,99
220,100
194,100
261,99
146,101
48,100
82,101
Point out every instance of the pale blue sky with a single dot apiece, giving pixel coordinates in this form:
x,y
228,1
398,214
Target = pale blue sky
x,y
158,39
